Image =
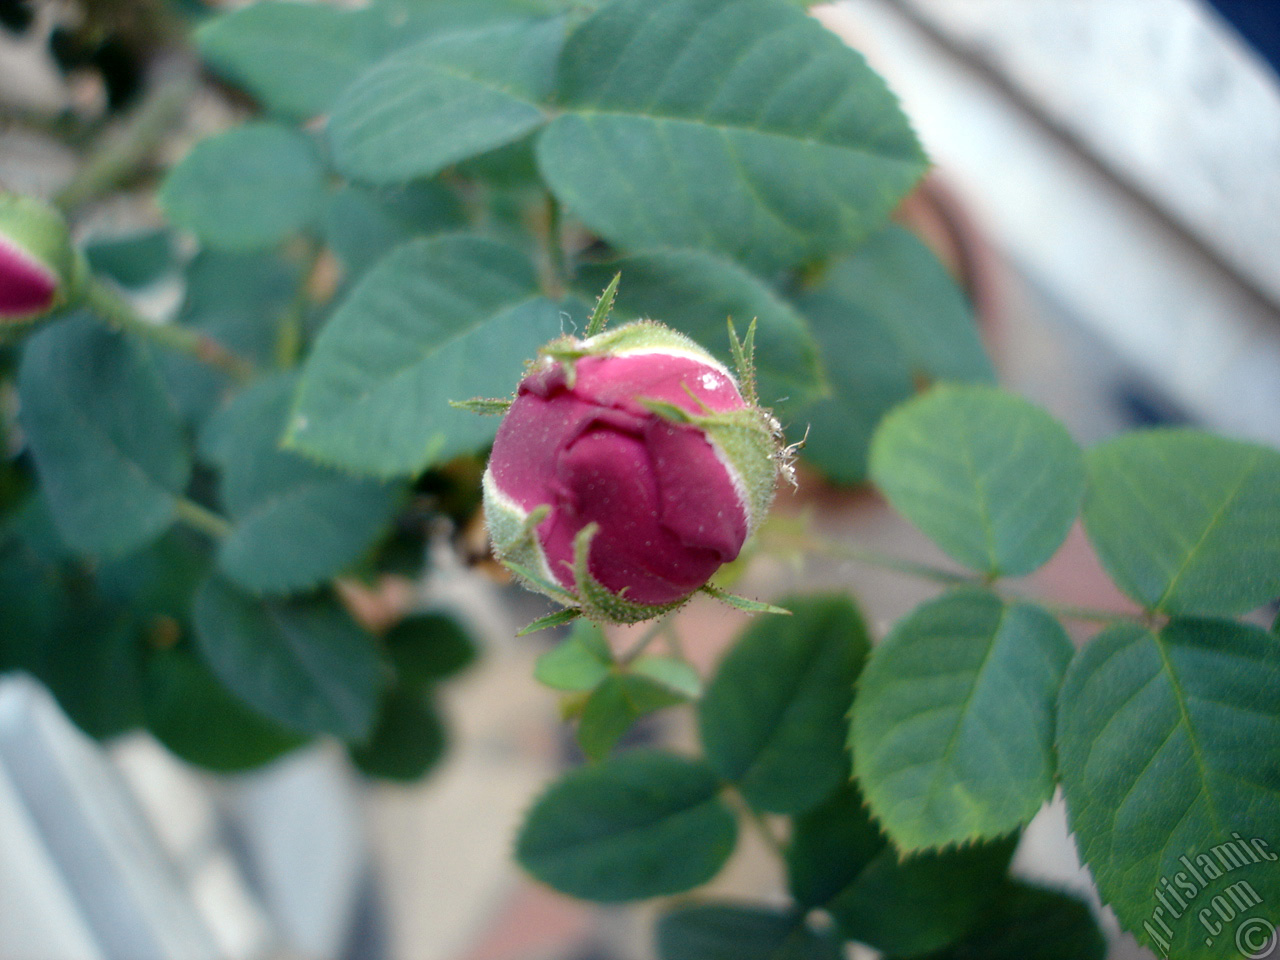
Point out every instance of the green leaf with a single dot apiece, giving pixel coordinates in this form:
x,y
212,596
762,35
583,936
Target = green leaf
x,y
303,663
246,189
887,319
695,291
771,718
993,480
1185,522
952,732
362,225
295,524
160,579
676,675
580,662
436,320
295,58
192,714
1169,747
746,129
722,931
408,740
1031,923
923,903
830,845
614,705
427,648
92,662
450,97
643,824
135,260
107,443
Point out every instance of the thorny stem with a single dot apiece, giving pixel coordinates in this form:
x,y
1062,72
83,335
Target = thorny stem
x,y
202,519
924,571
120,152
110,306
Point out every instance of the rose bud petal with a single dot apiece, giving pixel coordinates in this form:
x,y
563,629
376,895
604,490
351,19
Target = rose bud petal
x,y
38,265
627,470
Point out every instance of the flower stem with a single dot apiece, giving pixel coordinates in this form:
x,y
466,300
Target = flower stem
x,y
202,519
110,306
121,151
643,643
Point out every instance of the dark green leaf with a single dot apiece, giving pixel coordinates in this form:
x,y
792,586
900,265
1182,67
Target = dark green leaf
x,y
1186,522
643,824
303,663
450,97
436,320
614,705
408,739
246,189
993,480
771,718
721,931
296,524
580,662
1031,923
429,647
744,128
132,261
193,715
831,845
952,732
695,292
106,440
1169,748
160,579
676,675
295,58
361,225
922,903
887,319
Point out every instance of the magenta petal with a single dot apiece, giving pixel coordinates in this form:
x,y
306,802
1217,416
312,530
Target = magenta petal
x,y
25,286
623,381
698,502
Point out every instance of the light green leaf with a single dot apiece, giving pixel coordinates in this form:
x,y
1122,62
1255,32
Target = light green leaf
x,y
408,739
614,705
294,57
743,128
580,662
1031,923
246,189
696,292
924,902
1169,747
436,320
771,718
644,824
452,96
295,524
192,714
993,480
1186,522
674,674
887,319
303,663
722,931
106,440
427,648
952,732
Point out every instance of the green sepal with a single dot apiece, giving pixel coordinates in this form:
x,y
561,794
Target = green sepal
x,y
485,406
743,603
596,601
744,352
600,316
559,618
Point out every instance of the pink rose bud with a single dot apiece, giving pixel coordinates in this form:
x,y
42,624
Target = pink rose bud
x,y
37,262
628,469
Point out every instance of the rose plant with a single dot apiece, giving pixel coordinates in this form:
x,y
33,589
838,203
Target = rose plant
x,y
419,207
